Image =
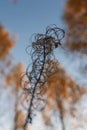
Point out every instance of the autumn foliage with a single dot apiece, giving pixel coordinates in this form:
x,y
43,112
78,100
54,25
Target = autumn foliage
x,y
6,43
75,17
61,91
10,74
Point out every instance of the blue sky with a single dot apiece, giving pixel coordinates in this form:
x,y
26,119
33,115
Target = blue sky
x,y
27,17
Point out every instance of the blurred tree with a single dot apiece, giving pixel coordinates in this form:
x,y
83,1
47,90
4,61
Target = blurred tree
x,y
10,75
62,93
75,17
6,43
13,79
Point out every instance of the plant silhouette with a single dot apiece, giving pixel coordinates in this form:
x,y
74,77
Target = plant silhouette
x,y
42,57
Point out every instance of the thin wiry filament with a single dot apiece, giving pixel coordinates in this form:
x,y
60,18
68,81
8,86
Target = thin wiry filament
x,y
43,64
